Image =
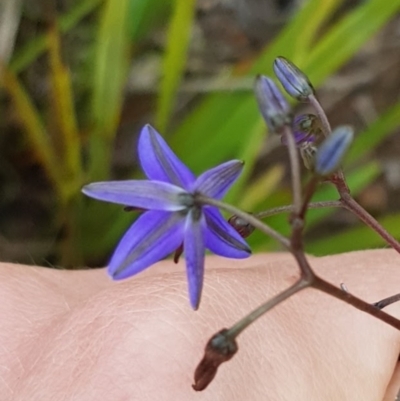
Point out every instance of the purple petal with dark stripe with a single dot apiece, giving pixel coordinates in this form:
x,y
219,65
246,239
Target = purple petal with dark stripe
x,y
194,254
151,238
221,238
215,182
153,195
159,162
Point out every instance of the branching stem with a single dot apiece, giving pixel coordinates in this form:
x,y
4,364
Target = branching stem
x,y
249,218
289,208
350,204
294,167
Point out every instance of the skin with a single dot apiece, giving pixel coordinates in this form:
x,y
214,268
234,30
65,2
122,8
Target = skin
x,y
76,335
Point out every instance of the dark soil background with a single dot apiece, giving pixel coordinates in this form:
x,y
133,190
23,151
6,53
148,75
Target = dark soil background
x,y
227,33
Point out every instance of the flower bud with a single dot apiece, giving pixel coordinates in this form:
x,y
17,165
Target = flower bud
x,y
305,130
331,152
295,82
242,227
308,152
273,106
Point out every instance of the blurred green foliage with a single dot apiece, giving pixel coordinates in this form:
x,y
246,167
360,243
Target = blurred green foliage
x,y
222,125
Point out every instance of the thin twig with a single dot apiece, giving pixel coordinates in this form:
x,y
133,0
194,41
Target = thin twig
x,y
294,167
322,285
387,301
289,208
249,218
350,204
242,324
326,127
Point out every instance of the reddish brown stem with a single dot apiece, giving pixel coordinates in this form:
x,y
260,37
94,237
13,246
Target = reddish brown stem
x,y
350,204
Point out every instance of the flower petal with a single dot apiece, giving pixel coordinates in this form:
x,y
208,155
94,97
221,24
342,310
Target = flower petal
x,y
152,237
159,162
145,194
194,254
221,238
216,181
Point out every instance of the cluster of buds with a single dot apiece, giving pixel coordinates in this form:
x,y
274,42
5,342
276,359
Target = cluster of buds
x,y
321,156
321,150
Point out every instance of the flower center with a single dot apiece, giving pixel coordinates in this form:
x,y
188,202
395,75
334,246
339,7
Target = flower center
x,y
186,199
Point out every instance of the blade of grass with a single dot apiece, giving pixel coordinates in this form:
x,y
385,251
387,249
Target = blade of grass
x,y
111,66
205,125
361,237
145,14
347,36
248,152
262,187
291,42
179,32
34,128
64,112
375,134
37,46
310,29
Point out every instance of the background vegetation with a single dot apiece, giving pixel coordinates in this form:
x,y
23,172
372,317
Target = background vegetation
x,y
79,78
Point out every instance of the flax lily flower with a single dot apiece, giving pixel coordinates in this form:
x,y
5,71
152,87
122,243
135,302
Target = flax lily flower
x,y
172,214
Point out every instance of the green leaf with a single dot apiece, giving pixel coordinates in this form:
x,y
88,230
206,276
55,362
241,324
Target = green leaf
x,y
111,66
179,33
361,237
35,130
145,14
347,36
375,134
100,235
62,103
34,48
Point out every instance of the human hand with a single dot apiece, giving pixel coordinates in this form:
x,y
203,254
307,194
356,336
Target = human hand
x,y
76,335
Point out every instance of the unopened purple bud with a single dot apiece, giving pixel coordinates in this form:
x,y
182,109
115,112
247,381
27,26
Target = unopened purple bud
x,y
295,82
331,152
273,106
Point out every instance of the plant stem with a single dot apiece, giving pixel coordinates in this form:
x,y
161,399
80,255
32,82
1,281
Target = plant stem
x,y
289,208
371,309
387,301
295,168
350,204
249,218
323,286
326,127
242,324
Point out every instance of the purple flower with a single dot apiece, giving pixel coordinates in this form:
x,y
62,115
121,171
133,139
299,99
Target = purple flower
x,y
173,216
